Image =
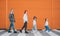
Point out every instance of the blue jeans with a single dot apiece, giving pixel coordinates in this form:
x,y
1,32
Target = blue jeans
x,y
34,27
47,28
11,26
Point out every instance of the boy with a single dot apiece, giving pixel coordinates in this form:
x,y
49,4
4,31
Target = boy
x,y
46,25
12,20
25,18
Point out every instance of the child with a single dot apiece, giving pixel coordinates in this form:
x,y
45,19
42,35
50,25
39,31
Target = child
x,y
34,24
25,18
12,20
46,25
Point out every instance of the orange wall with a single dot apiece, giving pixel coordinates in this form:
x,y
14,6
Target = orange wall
x,y
39,8
2,14
56,13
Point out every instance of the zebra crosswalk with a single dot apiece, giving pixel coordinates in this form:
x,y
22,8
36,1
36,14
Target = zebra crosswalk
x,y
37,33
2,30
57,30
52,34
6,34
21,34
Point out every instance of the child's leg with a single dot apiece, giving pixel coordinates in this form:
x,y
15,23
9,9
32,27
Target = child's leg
x,y
48,29
22,27
33,28
26,27
10,27
13,27
45,28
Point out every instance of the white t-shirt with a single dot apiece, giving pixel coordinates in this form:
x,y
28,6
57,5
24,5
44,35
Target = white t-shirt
x,y
25,18
34,22
46,23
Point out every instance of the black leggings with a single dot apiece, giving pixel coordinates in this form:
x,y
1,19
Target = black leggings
x,y
25,26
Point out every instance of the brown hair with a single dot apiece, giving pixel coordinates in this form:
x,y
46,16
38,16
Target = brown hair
x,y
25,11
34,17
45,19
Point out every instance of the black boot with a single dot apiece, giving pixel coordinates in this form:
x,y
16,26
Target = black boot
x,y
21,31
26,32
15,31
9,31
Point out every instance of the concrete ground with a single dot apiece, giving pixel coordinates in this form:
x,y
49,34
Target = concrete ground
x,y
31,33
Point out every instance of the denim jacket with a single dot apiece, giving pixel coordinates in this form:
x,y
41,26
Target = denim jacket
x,y
11,18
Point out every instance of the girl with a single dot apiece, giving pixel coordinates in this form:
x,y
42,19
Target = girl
x,y
34,23
25,18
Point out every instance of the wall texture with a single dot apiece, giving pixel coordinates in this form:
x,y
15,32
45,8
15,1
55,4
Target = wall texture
x,y
2,14
39,8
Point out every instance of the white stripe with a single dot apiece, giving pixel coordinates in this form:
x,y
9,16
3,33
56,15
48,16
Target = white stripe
x,y
37,33
6,34
52,34
2,30
57,30
21,34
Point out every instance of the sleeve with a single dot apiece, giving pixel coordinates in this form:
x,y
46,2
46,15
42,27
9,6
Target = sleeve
x,y
14,18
